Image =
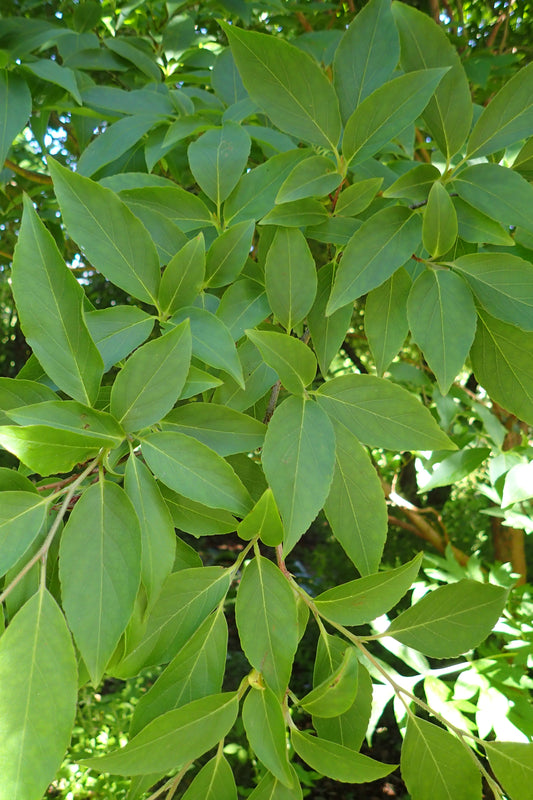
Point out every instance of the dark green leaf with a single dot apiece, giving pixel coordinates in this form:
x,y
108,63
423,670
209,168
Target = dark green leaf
x,y
152,379
51,71
439,229
158,540
508,117
414,184
112,238
293,360
218,158
173,739
442,317
450,620
436,764
49,304
15,102
366,56
357,197
316,176
364,599
512,763
228,253
100,569
244,304
290,277
265,612
387,112
287,84
196,518
375,251
38,687
259,378
185,209
191,468
15,392
114,142
297,214
502,360
183,277
425,45
336,761
381,414
298,460
503,284
386,322
327,333
498,192
474,226
355,506
264,724
117,331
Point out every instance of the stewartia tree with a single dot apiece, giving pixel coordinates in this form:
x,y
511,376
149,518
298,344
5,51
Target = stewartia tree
x,y
206,402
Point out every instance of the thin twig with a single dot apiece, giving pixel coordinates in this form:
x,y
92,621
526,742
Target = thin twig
x,y
36,177
274,394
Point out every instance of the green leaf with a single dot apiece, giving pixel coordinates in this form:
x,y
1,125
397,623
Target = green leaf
x,y
38,688
364,599
49,304
457,466
114,142
191,468
503,284
49,450
196,518
366,56
13,481
117,331
288,85
381,414
186,600
158,540
297,214
215,781
290,277
198,381
183,208
414,184
69,415
298,460
173,739
512,764
293,360
357,197
436,764
502,360
386,324
473,226
269,788
259,378
218,158
244,304
113,239
223,429
425,45
327,333
439,229
387,112
212,342
135,55
52,72
355,506
336,693
151,381
100,568
349,728
15,102
16,392
183,277
497,192
381,245
263,721
450,620
255,194
442,317
228,253
265,612
22,515
196,671
336,761
316,176
225,79
508,117
263,521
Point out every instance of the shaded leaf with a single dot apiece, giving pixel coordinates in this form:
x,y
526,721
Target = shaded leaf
x,y
223,429
336,761
228,253
15,102
386,324
439,229
293,360
290,277
497,192
215,781
327,333
218,158
316,176
117,331
264,724
183,276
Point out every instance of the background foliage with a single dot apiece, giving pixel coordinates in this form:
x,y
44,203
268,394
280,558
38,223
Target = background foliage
x,y
232,322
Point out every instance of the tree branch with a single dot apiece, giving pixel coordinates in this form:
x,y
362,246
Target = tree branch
x,y
36,177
